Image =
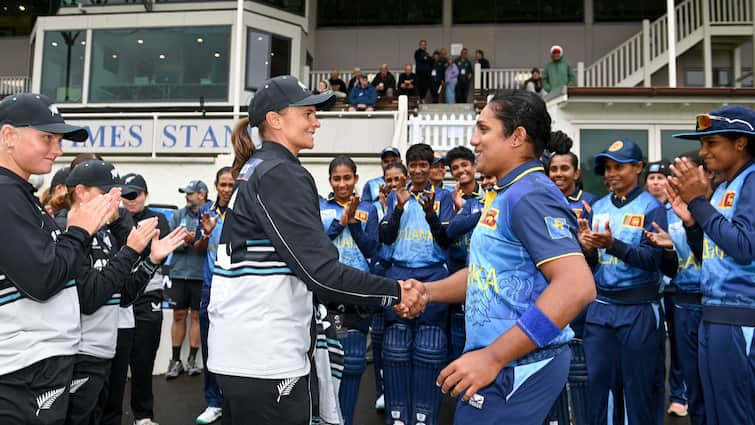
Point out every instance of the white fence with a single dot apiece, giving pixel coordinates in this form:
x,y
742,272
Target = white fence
x,y
501,78
442,131
12,85
314,77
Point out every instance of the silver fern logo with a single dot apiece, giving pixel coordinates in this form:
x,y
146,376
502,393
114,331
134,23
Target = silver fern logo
x,y
78,383
46,400
286,386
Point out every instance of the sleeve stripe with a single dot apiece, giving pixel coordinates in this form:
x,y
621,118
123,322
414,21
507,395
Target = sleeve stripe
x,y
571,254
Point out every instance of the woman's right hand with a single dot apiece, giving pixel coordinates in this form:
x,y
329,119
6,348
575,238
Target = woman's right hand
x,y
141,236
91,215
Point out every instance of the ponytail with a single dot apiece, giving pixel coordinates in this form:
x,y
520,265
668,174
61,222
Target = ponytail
x,y
243,148
63,202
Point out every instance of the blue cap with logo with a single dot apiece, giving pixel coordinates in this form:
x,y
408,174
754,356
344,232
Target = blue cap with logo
x,y
623,151
727,119
194,186
438,157
390,150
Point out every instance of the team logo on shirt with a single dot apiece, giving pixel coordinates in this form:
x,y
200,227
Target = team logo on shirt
x,y
361,215
490,220
558,228
47,399
634,220
728,200
436,207
577,212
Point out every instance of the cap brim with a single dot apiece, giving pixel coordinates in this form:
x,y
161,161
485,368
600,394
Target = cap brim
x,y
183,190
600,160
317,100
696,135
127,192
69,132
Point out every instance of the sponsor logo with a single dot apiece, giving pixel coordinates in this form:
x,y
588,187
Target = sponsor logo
x,y
577,212
286,386
477,401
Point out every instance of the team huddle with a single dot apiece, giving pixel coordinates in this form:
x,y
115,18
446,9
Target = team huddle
x,y
516,292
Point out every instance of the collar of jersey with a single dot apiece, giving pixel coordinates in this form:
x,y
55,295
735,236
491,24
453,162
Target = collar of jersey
x,y
518,173
418,194
332,198
629,197
576,195
476,193
216,208
278,149
21,182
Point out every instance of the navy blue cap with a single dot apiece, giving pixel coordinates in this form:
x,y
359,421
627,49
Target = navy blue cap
x,y
194,186
623,151
727,119
38,112
60,177
100,174
659,167
390,150
438,157
281,92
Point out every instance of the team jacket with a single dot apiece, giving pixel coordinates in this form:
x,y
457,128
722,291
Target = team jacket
x,y
212,243
728,250
461,226
526,223
629,272
111,277
272,256
417,240
688,275
39,307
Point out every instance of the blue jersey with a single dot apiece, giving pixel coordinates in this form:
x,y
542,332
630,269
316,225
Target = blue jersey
x,y
632,261
688,275
416,241
371,190
575,202
526,222
461,226
728,271
356,242
212,243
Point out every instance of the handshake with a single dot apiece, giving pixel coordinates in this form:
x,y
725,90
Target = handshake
x,y
414,299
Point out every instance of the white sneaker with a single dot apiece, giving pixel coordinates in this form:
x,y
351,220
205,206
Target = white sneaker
x,y
210,415
380,403
145,421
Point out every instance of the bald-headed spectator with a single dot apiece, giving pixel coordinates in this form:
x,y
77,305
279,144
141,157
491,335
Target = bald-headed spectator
x,y
406,82
354,81
336,83
384,82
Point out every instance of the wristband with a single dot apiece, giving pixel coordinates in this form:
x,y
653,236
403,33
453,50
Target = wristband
x,y
538,327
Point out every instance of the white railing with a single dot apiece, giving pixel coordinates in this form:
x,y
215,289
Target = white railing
x,y
731,12
442,131
12,85
315,77
502,78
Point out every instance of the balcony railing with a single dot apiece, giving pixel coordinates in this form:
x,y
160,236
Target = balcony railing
x,y
13,84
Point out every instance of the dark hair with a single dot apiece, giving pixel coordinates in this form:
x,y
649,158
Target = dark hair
x,y
419,152
750,140
560,144
519,108
459,152
222,171
480,52
84,157
243,148
398,165
342,160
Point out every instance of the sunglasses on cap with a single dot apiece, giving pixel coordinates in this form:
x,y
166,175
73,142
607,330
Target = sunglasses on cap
x,y
705,121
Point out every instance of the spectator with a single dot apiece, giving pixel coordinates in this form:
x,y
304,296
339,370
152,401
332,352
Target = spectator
x,y
336,83
443,55
363,96
384,82
423,67
451,78
324,87
465,76
535,82
354,79
479,56
406,82
186,274
559,72
438,74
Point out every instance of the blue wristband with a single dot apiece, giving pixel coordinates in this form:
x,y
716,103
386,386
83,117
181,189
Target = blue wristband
x,y
537,326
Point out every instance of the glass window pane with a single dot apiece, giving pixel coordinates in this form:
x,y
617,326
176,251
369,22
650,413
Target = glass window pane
x,y
672,147
268,55
479,11
63,65
637,10
160,64
388,12
292,6
593,142
694,77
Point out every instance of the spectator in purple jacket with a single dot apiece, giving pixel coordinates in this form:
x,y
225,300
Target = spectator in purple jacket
x,y
451,78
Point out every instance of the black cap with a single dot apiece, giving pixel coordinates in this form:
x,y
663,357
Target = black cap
x,y
60,177
659,167
99,174
280,93
136,181
194,186
38,112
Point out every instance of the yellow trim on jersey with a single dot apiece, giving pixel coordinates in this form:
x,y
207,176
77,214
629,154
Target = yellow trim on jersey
x,y
519,177
576,198
571,254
